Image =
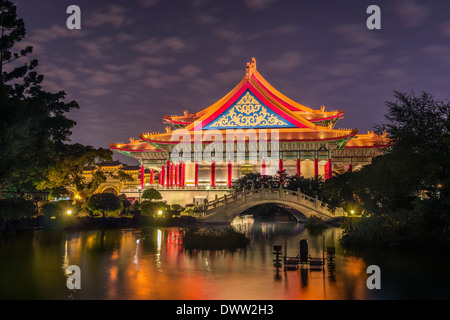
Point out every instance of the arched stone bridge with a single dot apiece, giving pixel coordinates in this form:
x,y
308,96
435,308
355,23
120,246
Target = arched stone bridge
x,y
226,208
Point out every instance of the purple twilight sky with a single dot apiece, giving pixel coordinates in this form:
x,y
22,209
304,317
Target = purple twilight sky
x,y
135,61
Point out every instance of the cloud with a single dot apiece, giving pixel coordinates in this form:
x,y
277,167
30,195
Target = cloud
x,y
148,3
155,45
174,44
97,92
437,53
162,81
411,13
445,29
55,32
114,15
91,49
257,5
189,70
359,36
229,77
204,12
286,61
100,78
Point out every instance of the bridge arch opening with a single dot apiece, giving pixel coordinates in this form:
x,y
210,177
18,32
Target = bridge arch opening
x,y
274,212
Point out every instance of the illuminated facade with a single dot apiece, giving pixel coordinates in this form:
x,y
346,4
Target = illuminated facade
x,y
255,124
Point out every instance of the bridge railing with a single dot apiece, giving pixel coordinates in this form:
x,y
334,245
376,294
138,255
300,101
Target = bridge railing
x,y
244,195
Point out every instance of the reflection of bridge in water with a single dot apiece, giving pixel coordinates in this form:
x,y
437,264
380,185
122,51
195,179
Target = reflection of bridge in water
x,y
226,208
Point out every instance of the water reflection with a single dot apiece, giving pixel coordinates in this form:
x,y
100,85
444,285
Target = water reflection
x,y
151,264
264,230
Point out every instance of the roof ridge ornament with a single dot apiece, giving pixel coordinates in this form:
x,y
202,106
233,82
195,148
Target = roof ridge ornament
x,y
250,68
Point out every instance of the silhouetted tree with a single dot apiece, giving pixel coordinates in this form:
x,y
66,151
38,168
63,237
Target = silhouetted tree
x,y
107,204
151,194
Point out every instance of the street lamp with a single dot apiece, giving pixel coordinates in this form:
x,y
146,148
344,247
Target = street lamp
x,y
69,212
140,190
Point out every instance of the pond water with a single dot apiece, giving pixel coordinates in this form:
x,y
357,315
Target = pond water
x,y
150,263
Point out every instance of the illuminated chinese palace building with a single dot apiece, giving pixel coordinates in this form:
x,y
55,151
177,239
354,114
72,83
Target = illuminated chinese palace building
x,y
275,129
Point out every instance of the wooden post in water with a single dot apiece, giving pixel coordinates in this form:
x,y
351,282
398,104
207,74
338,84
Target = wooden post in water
x,y
323,251
277,261
303,251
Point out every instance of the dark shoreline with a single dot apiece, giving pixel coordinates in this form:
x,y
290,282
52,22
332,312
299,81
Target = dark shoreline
x,y
27,225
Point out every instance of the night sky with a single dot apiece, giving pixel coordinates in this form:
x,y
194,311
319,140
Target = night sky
x,y
135,61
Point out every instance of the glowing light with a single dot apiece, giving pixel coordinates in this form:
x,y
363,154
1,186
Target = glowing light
x,y
69,212
352,211
159,212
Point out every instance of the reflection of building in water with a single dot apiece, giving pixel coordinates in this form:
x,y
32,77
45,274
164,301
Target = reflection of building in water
x,y
243,223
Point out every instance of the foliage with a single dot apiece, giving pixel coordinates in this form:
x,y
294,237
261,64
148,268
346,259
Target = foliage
x,y
176,207
418,126
151,194
59,208
67,170
33,125
309,186
338,191
256,180
315,223
126,204
12,31
190,211
406,190
16,208
124,177
105,204
151,208
34,128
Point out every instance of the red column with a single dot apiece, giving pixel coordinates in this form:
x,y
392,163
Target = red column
x,y
176,175
168,174
183,172
213,174
229,173
316,168
151,177
196,174
327,171
280,169
171,175
299,169
180,174
162,176
330,168
350,167
142,177
263,167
